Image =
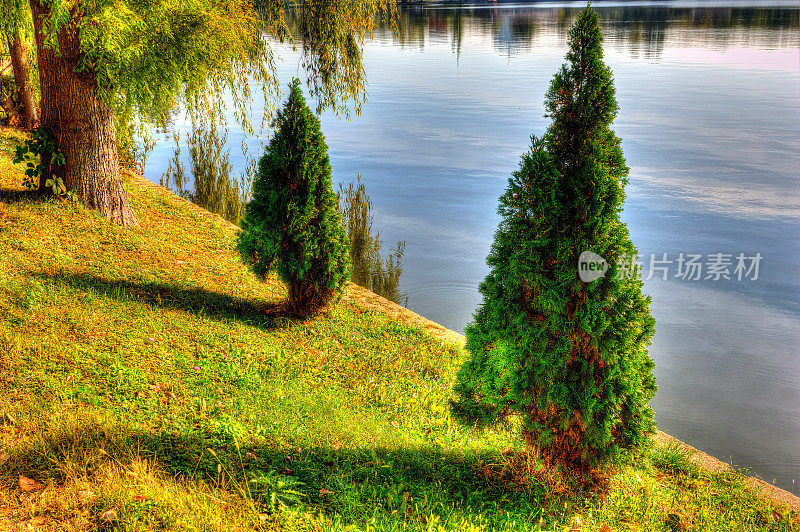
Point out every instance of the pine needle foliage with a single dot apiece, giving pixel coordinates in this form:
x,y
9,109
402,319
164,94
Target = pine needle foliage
x,y
568,358
292,224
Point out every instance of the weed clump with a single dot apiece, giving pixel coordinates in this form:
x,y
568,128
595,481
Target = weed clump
x,y
370,269
215,189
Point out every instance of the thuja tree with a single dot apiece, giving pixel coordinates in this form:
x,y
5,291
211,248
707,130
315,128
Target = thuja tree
x,y
292,224
569,358
105,63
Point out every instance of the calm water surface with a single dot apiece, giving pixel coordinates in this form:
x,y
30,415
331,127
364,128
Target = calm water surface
x,y
710,120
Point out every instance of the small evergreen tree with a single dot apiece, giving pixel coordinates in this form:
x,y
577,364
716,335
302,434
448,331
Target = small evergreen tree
x,y
568,357
292,223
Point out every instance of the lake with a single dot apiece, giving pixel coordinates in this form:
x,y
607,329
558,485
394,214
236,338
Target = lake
x,y
709,118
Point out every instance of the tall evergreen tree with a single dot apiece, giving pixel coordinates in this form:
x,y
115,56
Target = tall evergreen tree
x,y
568,357
293,224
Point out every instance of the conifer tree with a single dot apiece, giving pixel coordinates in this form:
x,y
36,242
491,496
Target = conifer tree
x,y
566,356
292,224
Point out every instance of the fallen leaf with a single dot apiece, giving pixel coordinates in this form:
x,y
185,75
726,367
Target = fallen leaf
x,y
674,522
85,495
323,491
140,498
386,335
605,528
4,456
35,521
109,515
27,484
776,516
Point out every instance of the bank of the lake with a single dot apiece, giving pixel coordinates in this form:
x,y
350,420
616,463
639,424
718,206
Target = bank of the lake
x,y
709,96
144,376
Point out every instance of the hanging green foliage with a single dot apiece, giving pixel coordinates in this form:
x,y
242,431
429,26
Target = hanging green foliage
x,y
149,56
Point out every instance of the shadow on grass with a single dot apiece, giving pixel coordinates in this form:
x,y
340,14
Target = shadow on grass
x,y
267,315
10,196
406,485
360,483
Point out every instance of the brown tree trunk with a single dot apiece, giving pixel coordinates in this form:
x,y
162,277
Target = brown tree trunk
x,y
18,49
81,122
306,299
7,102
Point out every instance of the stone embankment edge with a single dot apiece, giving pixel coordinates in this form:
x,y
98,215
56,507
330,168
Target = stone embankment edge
x,y
366,298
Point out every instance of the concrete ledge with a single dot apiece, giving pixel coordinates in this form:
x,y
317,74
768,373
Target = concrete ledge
x,y
709,463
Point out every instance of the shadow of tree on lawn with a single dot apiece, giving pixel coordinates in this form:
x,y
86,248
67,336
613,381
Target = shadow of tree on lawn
x,y
409,485
9,195
260,313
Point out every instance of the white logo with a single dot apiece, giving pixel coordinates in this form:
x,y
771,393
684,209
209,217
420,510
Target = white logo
x,y
591,266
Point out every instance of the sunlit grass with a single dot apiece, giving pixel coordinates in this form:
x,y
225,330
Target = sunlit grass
x,y
148,384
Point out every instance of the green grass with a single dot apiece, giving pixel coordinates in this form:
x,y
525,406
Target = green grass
x,y
146,371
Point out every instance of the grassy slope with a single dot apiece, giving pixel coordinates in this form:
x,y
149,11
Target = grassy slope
x,y
141,372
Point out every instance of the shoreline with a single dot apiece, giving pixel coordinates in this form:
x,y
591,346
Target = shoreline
x,y
367,298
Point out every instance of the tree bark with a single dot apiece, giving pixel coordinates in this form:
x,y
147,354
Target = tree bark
x,y
81,122
18,49
7,102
